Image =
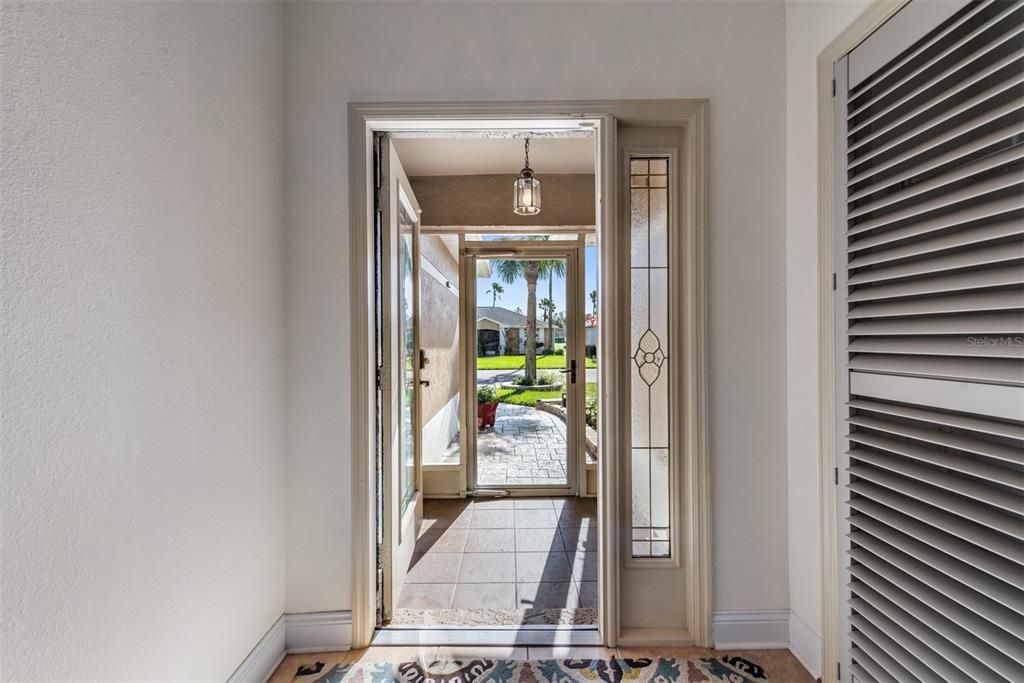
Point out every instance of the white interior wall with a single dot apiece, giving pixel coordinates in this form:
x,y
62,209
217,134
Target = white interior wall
x,y
732,53
142,477
810,26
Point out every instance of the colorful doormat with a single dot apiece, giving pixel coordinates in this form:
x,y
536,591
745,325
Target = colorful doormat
x,y
728,668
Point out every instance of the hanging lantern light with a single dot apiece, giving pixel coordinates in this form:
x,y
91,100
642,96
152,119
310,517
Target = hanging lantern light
x,y
526,198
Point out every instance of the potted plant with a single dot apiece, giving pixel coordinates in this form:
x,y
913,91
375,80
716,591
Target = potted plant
x,y
486,406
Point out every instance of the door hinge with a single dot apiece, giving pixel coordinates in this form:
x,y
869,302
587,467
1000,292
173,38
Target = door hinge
x,y
380,378
833,282
835,475
833,87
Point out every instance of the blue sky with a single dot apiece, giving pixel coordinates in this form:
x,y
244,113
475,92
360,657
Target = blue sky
x,y
515,294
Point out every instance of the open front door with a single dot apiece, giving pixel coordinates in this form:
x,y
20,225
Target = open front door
x,y
400,362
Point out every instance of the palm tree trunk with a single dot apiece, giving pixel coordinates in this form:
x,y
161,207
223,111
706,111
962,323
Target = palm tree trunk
x,y
549,338
531,320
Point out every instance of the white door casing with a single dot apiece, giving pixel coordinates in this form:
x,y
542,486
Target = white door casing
x,y
603,117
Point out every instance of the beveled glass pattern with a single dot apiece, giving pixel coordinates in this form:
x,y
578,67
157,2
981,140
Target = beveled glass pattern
x,y
407,350
650,465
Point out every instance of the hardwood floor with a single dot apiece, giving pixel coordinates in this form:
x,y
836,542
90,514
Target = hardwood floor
x,y
779,665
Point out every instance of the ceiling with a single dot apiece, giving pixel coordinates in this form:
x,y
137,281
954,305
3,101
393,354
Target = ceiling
x,y
461,156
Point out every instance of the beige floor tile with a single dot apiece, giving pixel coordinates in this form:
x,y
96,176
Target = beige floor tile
x,y
435,524
426,596
574,517
577,503
533,504
584,565
539,540
490,541
588,593
492,519
485,596
445,540
492,504
536,519
487,568
434,568
537,567
555,594
579,538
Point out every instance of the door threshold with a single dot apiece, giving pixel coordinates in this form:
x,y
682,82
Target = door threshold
x,y
483,636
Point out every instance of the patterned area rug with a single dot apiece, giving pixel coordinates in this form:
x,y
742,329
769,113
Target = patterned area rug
x,y
732,669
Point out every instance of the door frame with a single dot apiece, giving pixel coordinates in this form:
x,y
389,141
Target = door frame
x,y
571,251
602,116
863,26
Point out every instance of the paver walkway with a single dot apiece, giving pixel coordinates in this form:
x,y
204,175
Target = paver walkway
x,y
526,446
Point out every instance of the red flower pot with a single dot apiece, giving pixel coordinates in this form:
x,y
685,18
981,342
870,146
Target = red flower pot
x,y
485,413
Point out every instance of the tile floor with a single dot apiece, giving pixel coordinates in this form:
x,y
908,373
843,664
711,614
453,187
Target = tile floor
x,y
779,665
504,554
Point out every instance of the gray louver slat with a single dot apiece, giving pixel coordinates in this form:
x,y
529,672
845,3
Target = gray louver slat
x,y
931,337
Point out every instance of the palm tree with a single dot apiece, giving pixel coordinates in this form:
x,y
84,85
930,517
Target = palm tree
x,y
593,302
548,306
510,270
495,290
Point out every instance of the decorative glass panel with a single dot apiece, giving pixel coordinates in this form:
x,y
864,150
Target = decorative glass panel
x,y
407,351
649,360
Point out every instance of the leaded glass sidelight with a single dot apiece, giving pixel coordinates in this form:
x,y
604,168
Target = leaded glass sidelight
x,y
649,359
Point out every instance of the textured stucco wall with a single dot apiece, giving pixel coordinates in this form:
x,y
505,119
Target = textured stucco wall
x,y
439,327
142,469
810,26
566,199
730,52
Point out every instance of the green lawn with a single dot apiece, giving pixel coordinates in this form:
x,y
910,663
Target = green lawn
x,y
517,362
529,397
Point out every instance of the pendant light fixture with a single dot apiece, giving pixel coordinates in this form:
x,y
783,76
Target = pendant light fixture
x,y
526,197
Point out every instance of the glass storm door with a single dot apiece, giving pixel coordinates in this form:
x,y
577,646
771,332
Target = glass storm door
x,y
402,508
525,443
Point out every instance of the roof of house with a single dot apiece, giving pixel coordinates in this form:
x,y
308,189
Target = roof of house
x,y
502,316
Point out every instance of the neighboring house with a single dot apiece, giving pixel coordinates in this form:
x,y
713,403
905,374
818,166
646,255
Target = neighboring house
x,y
501,331
590,332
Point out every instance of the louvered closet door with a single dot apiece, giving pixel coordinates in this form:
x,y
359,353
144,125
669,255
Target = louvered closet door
x,y
930,325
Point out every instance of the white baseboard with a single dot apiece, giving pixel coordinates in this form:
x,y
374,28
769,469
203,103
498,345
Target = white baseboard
x,y
293,633
318,631
264,658
805,644
741,629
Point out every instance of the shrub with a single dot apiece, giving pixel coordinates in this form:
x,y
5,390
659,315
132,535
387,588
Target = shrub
x,y
559,352
549,377
486,394
591,412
